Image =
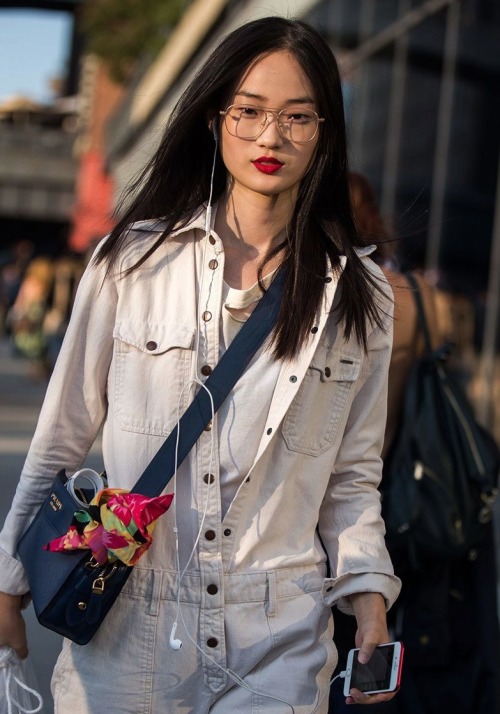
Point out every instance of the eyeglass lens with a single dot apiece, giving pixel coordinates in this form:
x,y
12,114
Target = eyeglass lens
x,y
294,123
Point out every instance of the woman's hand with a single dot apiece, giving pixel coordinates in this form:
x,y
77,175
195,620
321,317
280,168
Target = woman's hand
x,y
12,627
369,610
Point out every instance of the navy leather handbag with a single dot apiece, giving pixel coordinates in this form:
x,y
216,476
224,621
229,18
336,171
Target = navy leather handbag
x,y
72,594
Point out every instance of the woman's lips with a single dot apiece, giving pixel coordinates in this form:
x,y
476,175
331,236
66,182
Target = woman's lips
x,y
267,164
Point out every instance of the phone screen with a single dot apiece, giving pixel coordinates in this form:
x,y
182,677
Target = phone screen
x,y
377,673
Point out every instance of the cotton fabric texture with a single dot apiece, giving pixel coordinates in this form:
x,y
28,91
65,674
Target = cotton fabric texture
x,y
254,596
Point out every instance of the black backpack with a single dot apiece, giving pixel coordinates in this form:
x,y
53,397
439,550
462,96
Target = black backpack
x,y
441,476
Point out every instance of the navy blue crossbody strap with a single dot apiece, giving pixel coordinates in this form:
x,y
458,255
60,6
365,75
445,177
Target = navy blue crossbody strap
x,y
223,378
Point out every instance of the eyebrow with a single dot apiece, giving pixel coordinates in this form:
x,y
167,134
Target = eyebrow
x,y
260,98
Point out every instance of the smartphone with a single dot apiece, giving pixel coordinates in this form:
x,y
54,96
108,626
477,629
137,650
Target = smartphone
x,y
382,673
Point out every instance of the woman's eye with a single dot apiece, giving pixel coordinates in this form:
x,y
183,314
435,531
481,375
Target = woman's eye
x,y
249,112
298,118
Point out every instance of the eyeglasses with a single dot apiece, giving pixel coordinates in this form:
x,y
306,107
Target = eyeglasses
x,y
294,123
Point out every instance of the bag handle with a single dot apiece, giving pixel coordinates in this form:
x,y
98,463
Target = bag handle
x,y
220,382
422,320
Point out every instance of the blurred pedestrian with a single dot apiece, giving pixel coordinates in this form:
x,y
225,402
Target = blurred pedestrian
x,y
67,272
13,263
407,344
27,314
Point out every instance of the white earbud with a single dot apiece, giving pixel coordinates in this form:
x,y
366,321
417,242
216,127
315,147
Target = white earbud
x,y
174,644
215,131
208,219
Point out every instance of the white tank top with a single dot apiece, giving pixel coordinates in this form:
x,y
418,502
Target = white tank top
x,y
242,417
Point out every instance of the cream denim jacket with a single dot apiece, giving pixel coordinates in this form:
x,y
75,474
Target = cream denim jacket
x,y
131,347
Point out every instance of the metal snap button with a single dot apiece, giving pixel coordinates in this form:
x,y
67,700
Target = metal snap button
x,y
213,264
328,372
206,370
212,240
208,477
210,535
227,532
206,316
151,345
212,642
212,589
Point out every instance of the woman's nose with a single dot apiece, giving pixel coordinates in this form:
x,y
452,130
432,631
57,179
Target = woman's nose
x,y
271,135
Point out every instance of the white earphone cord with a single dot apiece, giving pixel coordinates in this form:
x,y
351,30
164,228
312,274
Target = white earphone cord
x,y
194,380
175,643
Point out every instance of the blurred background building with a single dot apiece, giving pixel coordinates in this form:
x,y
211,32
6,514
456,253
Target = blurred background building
x,y
37,165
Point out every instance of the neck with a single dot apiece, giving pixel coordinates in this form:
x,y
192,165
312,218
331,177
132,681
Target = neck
x,y
252,221
249,227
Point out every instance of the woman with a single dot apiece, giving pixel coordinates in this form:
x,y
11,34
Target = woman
x,y
293,479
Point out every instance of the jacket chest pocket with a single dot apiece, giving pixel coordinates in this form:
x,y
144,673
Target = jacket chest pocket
x,y
319,408
152,365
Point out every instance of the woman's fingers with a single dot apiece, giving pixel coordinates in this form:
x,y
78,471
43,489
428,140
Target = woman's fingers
x,y
357,697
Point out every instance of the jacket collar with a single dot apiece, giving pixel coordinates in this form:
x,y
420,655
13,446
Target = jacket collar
x,y
197,221
157,225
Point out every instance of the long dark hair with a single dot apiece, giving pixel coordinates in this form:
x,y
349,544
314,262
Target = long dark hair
x,y
176,181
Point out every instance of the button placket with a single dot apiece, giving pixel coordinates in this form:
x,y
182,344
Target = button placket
x,y
230,524
210,305
211,569
211,628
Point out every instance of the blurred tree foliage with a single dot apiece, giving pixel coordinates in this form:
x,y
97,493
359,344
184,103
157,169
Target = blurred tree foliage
x,y
122,31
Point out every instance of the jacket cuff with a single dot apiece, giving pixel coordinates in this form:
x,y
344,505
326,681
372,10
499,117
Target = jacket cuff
x,y
13,580
337,591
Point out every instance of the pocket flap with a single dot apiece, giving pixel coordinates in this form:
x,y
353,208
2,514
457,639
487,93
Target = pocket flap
x,y
343,369
154,338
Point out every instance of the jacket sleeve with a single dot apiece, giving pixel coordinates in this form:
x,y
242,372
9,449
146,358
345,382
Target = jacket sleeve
x,y
72,413
350,523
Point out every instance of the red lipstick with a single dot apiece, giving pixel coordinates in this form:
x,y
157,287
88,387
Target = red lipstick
x,y
267,164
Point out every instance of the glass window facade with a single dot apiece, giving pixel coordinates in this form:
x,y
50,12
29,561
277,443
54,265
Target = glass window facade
x,y
417,117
